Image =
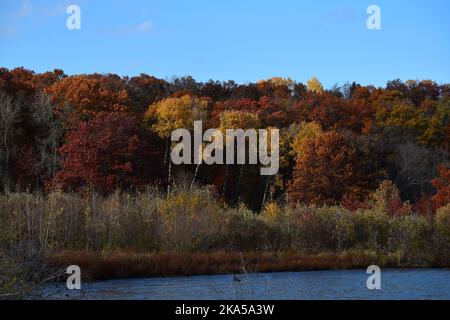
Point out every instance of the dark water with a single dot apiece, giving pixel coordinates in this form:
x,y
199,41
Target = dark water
x,y
342,284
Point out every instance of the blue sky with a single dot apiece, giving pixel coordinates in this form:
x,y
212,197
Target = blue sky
x,y
243,40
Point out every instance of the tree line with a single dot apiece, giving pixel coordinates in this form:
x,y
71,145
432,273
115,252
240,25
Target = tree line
x,y
103,132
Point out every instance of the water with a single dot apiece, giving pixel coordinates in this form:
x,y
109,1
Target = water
x,y
335,284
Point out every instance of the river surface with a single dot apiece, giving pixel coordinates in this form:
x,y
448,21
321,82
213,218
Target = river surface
x,y
335,284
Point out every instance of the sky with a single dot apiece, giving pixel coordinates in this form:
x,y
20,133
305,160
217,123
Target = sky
x,y
241,40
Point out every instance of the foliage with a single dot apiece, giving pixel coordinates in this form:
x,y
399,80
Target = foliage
x,y
108,152
442,184
174,113
399,133
314,85
326,170
443,221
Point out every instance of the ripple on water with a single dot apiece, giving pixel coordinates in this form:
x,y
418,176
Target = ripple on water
x,y
333,284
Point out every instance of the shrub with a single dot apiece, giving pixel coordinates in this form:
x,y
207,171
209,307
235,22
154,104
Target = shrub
x,y
387,199
189,220
413,236
371,229
443,221
323,228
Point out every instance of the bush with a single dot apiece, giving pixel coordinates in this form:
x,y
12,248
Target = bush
x,y
443,221
189,220
413,236
323,228
22,267
195,221
372,229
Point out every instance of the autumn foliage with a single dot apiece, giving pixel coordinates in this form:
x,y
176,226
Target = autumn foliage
x,y
337,145
442,185
106,153
325,171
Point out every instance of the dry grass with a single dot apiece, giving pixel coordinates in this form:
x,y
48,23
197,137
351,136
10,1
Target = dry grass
x,y
124,264
190,232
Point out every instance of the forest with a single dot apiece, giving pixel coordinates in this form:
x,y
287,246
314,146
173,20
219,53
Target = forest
x,y
85,165
105,133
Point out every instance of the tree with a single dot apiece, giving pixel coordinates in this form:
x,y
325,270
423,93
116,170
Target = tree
x,y
236,120
18,83
48,136
145,90
386,199
9,116
332,112
175,113
325,172
108,152
271,112
314,85
307,131
80,98
442,185
276,87
416,166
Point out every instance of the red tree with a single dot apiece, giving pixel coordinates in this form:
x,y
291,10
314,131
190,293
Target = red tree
x,y
108,152
442,185
326,171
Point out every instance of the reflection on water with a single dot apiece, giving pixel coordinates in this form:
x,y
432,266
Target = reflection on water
x,y
342,284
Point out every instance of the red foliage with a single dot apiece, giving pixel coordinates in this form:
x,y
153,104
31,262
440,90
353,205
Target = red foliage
x,y
352,202
424,206
271,112
87,95
333,112
326,171
108,152
442,185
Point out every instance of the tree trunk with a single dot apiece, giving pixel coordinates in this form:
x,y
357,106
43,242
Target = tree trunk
x,y
195,175
169,177
6,170
239,182
265,193
225,181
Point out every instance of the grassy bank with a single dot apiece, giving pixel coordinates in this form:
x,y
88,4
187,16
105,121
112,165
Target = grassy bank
x,y
123,264
191,232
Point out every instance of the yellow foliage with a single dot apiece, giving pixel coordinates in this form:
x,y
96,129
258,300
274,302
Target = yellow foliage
x,y
307,131
314,85
177,113
271,213
238,120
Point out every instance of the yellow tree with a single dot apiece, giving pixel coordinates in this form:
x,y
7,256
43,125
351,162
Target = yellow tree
x,y
176,113
307,131
314,85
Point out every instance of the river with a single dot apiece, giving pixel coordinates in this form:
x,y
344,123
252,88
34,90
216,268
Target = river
x,y
334,284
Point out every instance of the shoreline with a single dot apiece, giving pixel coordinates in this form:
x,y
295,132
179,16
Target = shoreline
x,y
109,265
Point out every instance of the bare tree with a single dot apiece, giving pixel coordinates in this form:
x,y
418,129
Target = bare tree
x,y
416,167
9,116
50,139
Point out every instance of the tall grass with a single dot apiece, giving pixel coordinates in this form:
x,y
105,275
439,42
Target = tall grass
x,y
195,221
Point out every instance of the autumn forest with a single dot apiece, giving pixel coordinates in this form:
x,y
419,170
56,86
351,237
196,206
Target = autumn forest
x,y
85,165
104,132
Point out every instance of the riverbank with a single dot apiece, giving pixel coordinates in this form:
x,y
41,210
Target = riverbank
x,y
190,232
124,264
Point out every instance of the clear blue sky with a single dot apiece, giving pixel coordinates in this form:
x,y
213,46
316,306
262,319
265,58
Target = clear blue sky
x,y
243,40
